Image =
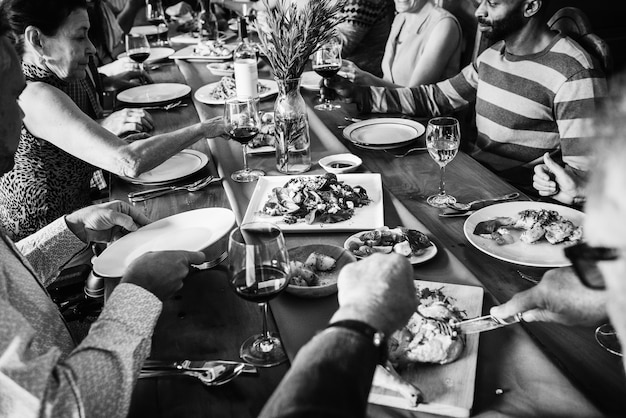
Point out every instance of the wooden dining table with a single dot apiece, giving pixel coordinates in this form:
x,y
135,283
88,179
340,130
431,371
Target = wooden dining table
x,y
527,370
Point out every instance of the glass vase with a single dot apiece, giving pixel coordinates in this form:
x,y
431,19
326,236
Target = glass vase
x,y
293,143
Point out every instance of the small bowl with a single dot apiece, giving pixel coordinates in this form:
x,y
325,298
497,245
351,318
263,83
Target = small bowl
x,y
340,163
329,279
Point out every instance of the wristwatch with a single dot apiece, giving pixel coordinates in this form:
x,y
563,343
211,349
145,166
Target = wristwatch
x,y
378,338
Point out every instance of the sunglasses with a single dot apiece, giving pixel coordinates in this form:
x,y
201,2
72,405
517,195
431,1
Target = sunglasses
x,y
584,260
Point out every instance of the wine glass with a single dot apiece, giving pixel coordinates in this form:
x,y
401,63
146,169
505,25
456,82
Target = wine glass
x,y
259,271
137,48
242,124
156,16
442,140
326,62
606,336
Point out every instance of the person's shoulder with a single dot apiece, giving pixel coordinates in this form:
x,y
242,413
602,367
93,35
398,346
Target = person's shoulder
x,y
580,56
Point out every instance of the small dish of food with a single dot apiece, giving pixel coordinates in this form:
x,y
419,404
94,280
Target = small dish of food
x,y
340,163
315,268
413,244
221,68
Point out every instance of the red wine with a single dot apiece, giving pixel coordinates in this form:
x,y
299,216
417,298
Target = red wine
x,y
139,56
243,135
269,282
327,71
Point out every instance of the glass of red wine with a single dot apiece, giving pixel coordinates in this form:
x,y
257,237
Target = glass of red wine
x,y
259,271
137,48
326,62
242,124
156,17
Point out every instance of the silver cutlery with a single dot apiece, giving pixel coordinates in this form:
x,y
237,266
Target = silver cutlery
x,y
196,365
349,119
456,214
407,152
212,263
160,191
483,323
470,205
166,107
528,277
216,376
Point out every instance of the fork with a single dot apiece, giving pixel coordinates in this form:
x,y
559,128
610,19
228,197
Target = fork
x,y
192,187
407,152
166,107
528,277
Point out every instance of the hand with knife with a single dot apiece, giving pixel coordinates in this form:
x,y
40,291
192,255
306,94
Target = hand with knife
x,y
559,297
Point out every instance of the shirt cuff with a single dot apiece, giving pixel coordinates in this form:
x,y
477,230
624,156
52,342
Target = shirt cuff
x,y
133,306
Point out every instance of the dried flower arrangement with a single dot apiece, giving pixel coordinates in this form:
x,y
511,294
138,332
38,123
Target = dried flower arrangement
x,y
295,31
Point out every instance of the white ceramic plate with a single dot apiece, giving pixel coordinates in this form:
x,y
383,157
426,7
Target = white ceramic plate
x,y
366,217
221,68
181,165
188,53
383,133
195,230
156,54
148,30
539,254
154,93
203,94
414,259
310,80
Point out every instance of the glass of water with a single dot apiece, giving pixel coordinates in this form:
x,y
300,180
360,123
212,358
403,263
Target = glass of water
x,y
442,140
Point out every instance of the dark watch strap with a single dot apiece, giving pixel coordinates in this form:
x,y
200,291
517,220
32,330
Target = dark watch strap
x,y
378,339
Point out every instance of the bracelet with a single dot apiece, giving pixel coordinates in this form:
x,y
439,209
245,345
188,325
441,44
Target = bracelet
x,y
378,339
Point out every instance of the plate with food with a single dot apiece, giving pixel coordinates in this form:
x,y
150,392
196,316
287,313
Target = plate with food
x,y
315,268
411,243
217,93
525,233
423,353
208,51
328,202
263,143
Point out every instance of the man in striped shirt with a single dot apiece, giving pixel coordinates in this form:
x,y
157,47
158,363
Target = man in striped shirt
x,y
535,91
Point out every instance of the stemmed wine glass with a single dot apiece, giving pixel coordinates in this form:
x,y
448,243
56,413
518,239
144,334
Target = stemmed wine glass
x,y
442,140
326,62
156,16
259,271
137,48
606,336
242,124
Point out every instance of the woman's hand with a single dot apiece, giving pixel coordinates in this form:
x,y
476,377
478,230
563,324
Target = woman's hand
x,y
127,121
351,72
214,127
125,80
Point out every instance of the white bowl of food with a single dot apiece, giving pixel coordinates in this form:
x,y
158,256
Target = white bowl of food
x,y
315,269
340,163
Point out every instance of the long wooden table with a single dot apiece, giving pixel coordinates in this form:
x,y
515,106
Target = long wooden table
x,y
207,321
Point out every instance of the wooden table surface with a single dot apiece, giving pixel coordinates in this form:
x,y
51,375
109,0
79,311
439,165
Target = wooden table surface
x,y
535,365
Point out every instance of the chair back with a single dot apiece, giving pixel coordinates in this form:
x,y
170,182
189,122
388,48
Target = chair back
x,y
572,22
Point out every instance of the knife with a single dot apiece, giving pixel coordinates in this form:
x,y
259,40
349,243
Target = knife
x,y
451,213
195,365
484,323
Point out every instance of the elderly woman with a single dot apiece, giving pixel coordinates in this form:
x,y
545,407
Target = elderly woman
x,y
61,145
424,46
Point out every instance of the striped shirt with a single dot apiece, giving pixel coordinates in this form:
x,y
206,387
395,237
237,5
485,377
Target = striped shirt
x,y
525,106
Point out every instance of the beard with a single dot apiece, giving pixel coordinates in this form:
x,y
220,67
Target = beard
x,y
501,29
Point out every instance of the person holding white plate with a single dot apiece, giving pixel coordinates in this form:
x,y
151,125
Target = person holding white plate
x,y
62,144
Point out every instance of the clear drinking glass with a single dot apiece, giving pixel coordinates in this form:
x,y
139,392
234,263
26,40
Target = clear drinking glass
x,y
156,16
442,140
326,62
137,48
242,124
259,271
606,336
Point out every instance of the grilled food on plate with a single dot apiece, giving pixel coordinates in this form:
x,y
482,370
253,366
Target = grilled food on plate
x,y
428,337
